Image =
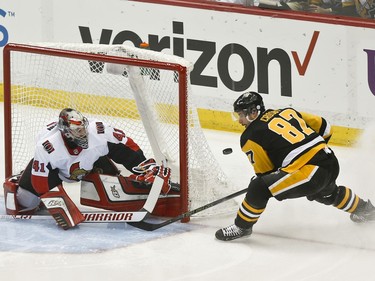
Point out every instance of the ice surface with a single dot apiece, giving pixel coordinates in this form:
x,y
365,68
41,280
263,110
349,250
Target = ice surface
x,y
293,240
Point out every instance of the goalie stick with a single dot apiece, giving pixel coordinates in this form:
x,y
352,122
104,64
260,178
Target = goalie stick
x,y
153,226
90,217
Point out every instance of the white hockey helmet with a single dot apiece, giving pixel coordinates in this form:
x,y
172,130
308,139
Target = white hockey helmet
x,y
73,126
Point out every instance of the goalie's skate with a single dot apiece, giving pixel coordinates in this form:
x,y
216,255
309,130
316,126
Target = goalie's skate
x,y
365,214
232,232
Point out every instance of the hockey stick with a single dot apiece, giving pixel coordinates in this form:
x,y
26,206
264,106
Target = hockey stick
x,y
140,93
153,226
153,196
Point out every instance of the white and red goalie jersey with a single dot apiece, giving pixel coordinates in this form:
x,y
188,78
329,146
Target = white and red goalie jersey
x,y
52,152
59,159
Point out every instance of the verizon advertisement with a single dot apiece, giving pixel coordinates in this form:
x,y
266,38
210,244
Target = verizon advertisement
x,y
323,68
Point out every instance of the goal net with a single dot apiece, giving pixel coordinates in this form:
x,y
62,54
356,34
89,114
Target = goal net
x,y
144,93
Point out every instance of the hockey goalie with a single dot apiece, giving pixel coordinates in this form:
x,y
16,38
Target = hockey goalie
x,y
76,149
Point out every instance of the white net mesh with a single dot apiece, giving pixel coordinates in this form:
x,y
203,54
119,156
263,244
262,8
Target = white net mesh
x,y
141,101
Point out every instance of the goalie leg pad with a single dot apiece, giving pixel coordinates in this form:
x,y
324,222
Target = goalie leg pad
x,y
19,201
62,208
10,195
27,199
115,193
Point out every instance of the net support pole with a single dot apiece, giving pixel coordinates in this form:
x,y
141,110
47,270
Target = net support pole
x,y
7,111
183,136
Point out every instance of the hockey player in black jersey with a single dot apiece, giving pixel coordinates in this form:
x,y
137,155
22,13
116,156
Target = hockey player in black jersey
x,y
290,156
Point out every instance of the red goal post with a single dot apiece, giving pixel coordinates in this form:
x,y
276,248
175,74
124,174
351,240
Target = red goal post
x,y
145,93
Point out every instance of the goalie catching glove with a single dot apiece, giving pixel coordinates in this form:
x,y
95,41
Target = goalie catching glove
x,y
146,172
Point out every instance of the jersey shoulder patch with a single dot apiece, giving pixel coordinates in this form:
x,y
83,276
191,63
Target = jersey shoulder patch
x,y
48,147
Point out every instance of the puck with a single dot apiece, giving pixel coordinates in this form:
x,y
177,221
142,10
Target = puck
x,y
227,151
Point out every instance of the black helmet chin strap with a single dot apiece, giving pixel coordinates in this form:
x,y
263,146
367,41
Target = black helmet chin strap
x,y
253,110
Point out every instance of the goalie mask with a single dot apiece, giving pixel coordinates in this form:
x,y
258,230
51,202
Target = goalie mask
x,y
73,126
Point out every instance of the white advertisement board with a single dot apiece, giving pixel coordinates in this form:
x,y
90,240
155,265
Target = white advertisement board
x,y
324,68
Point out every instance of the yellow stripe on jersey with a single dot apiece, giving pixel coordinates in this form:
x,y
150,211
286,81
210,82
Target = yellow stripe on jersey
x,y
293,180
303,159
316,123
300,150
257,157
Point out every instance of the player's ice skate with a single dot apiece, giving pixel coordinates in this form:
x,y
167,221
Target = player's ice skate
x,y
365,214
232,232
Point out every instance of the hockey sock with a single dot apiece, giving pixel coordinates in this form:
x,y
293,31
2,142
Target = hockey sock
x,y
247,215
347,200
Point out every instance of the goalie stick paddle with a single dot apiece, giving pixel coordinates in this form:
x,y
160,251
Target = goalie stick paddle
x,y
153,226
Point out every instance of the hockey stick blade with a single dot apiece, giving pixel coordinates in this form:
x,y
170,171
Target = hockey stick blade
x,y
153,226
